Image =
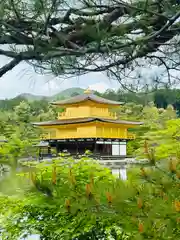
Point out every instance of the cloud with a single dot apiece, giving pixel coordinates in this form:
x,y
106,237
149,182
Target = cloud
x,y
99,86
23,79
49,88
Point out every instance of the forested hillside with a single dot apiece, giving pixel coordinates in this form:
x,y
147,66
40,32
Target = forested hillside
x,y
161,98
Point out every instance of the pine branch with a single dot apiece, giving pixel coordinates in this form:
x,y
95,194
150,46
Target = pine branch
x,y
9,66
66,37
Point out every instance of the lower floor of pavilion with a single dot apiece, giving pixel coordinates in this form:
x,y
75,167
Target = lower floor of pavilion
x,y
102,147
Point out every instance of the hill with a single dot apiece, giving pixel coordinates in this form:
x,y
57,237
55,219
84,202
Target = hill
x,y
61,95
67,93
31,97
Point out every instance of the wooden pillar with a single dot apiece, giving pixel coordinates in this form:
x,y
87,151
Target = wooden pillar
x,y
49,150
103,150
77,150
56,147
95,147
110,148
40,154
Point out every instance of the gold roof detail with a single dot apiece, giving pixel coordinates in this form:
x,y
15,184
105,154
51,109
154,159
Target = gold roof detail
x,y
88,91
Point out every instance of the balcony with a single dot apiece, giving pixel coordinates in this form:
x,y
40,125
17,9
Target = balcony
x,y
84,112
74,136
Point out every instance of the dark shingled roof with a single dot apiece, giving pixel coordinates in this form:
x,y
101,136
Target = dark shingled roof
x,y
85,120
85,97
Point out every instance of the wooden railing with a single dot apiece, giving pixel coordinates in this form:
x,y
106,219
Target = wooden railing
x,y
93,113
53,135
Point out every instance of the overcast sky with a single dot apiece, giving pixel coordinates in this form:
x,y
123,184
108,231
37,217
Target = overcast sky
x,y
23,79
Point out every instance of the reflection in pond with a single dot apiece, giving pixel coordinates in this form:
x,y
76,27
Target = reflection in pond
x,y
120,173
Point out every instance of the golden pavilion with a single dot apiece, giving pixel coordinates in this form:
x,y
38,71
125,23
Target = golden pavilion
x,y
87,123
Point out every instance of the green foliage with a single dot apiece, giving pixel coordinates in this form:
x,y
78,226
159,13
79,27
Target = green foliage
x,y
164,141
81,200
23,112
131,146
9,104
155,128
70,183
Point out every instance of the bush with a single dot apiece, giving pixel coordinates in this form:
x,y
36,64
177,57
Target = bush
x,y
82,200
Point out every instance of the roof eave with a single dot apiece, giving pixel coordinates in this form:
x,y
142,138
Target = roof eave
x,y
41,124
66,104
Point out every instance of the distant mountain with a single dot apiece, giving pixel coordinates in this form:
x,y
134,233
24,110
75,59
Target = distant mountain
x,y
67,93
31,97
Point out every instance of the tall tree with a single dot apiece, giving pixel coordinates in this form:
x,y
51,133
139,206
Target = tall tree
x,y
23,112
